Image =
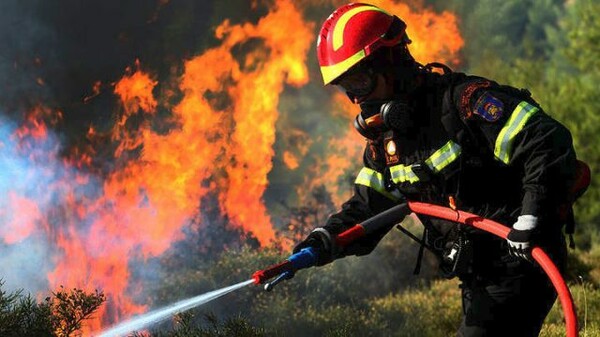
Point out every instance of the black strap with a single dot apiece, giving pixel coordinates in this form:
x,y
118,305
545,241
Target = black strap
x,y
417,269
410,235
570,227
422,244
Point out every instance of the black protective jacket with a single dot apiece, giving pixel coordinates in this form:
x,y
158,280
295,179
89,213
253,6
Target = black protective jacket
x,y
490,147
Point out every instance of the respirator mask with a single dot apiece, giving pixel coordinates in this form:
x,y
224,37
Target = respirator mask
x,y
379,116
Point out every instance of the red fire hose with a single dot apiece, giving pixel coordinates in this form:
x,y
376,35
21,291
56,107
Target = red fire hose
x,y
387,219
497,229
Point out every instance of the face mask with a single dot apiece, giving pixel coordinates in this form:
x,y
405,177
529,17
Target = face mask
x,y
377,117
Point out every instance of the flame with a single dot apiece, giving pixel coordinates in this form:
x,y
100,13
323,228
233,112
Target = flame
x,y
296,143
215,148
95,91
435,36
135,92
34,127
218,143
290,160
343,155
25,214
256,94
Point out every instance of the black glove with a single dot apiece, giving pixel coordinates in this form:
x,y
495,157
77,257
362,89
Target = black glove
x,y
521,236
321,241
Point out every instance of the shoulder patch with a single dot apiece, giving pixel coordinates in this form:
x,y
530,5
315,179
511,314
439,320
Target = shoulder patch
x,y
467,94
488,107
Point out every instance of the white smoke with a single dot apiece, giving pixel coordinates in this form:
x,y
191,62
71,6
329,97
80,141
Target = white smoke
x,y
34,186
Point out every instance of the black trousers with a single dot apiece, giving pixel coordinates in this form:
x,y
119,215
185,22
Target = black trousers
x,y
513,303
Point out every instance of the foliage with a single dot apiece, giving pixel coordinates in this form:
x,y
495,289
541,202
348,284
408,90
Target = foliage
x,y
235,326
20,315
587,301
310,305
424,311
58,315
70,308
377,291
572,90
506,30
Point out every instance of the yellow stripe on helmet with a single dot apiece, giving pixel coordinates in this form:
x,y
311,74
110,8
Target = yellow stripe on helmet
x,y
338,30
332,72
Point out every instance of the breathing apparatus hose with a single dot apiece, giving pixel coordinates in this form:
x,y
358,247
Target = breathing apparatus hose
x,y
501,231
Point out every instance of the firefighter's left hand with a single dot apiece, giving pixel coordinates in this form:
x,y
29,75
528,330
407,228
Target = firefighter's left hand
x,y
520,237
320,240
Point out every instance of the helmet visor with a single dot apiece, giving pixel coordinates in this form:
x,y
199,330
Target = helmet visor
x,y
358,84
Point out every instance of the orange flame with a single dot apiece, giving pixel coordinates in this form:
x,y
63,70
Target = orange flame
x,y
18,228
95,92
135,92
343,155
297,144
34,125
290,160
257,85
435,36
227,148
221,144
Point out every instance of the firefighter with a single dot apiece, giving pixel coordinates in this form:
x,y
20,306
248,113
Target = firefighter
x,y
448,138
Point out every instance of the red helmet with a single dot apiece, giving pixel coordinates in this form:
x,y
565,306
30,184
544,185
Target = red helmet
x,y
352,33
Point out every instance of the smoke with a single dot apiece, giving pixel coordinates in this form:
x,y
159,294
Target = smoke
x,y
33,201
59,62
55,52
106,176
143,129
25,256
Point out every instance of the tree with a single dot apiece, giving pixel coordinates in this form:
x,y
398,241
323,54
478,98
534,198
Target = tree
x,y
571,92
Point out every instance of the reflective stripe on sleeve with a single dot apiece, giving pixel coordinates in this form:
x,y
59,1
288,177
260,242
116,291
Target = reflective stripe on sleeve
x,y
516,122
441,158
402,173
373,179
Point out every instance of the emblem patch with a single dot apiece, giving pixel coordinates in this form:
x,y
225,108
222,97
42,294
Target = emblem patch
x,y
467,93
489,107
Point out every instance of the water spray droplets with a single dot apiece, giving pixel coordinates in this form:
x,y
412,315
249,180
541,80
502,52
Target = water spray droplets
x,y
153,317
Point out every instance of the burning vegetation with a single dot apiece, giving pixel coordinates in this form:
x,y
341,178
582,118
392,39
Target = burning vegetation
x,y
148,160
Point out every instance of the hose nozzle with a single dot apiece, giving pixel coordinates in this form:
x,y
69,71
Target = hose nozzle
x,y
282,277
285,270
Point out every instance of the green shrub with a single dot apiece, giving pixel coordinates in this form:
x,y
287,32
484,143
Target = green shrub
x,y
433,310
586,297
60,314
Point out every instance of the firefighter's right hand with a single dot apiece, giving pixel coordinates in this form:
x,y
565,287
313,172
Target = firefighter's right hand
x,y
521,236
322,242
